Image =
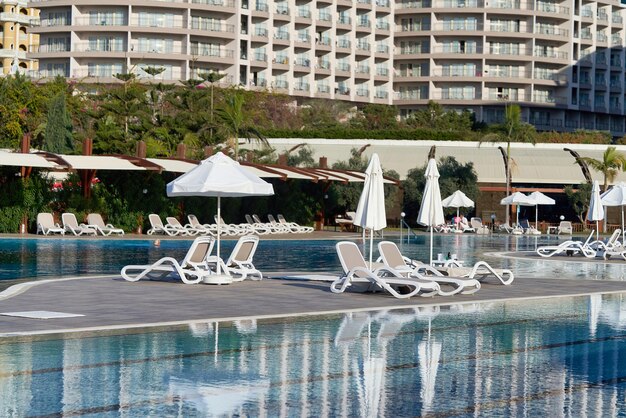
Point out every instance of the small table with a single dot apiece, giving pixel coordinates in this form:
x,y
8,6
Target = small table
x,y
446,263
553,229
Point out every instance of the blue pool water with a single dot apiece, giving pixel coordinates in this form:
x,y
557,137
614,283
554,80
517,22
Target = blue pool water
x,y
535,359
42,258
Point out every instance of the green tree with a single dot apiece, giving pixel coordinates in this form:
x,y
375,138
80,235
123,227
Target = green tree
x,y
58,132
579,199
235,122
376,116
436,117
453,176
513,129
610,165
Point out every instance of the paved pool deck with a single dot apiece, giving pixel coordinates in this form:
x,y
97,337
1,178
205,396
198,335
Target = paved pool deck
x,y
110,303
107,302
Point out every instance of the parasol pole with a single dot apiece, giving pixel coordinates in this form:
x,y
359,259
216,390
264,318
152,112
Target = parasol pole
x,y
219,230
623,232
371,246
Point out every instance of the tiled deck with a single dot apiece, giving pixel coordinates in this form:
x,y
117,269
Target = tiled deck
x,y
111,302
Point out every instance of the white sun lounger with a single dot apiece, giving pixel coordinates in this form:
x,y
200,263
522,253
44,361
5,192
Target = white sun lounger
x,y
233,229
479,271
175,224
301,229
569,247
158,228
392,257
358,276
193,269
94,220
258,228
274,228
71,225
239,264
602,247
477,224
205,229
46,225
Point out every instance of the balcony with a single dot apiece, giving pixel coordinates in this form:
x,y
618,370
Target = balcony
x,y
283,10
94,21
302,86
260,57
262,7
210,26
260,32
381,25
57,47
22,19
115,46
304,13
281,36
303,62
381,94
281,85
343,43
324,17
362,92
208,51
323,88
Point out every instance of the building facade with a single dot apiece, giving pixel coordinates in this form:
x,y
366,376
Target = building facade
x,y
562,61
16,38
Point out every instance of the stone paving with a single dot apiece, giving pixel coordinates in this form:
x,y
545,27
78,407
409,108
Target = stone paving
x,y
111,302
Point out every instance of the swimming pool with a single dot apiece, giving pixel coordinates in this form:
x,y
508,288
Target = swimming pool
x,y
531,358
44,258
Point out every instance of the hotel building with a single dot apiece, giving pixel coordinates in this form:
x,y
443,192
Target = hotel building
x,y
562,61
16,38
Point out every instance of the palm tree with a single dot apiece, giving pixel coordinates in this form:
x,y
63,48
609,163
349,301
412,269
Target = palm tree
x,y
610,165
512,130
235,123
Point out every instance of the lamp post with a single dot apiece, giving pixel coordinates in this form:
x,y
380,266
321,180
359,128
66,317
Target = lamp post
x,y
402,215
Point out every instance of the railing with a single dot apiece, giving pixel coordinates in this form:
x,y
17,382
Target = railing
x,y
281,84
383,3
116,46
303,38
282,10
343,67
343,43
381,95
262,7
260,57
383,25
382,49
205,51
92,21
323,88
363,69
284,36
212,26
302,87
363,46
324,65
551,30
325,17
223,3
410,95
281,60
59,47
617,19
305,14
303,62
415,72
362,92
344,20
324,41
262,32
383,72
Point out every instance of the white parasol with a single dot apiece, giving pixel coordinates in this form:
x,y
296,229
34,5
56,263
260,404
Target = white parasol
x,y
431,211
219,176
370,212
596,210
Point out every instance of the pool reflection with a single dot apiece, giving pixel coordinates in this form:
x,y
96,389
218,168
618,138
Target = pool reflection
x,y
543,357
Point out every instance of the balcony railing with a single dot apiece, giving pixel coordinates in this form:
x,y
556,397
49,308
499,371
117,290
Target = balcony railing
x,y
259,56
304,13
303,38
382,49
362,69
324,17
93,21
262,7
363,46
118,46
303,62
323,88
302,87
381,94
207,51
283,10
58,47
382,25
343,43
284,36
262,32
212,26
343,67
362,92
281,84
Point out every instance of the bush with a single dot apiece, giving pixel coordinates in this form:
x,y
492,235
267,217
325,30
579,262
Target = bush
x,y
348,133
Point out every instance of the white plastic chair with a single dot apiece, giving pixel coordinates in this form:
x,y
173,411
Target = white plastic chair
x,y
71,225
46,224
94,220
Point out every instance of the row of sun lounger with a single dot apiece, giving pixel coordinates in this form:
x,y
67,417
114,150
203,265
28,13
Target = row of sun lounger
x,y
95,225
254,225
200,265
589,248
403,278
